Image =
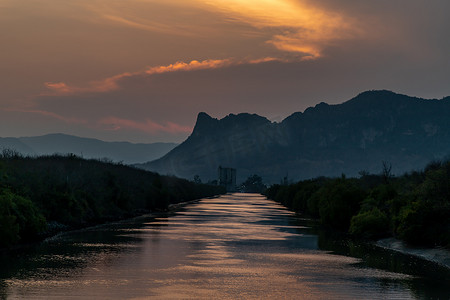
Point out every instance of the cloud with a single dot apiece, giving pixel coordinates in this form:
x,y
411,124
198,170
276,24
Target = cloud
x,y
169,17
294,26
173,58
134,24
148,126
299,27
113,83
104,85
58,86
296,29
191,66
296,45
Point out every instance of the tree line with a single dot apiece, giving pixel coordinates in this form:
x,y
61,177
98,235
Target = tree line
x,y
40,196
414,207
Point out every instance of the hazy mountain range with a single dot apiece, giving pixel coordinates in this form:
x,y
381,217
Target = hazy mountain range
x,y
125,152
357,135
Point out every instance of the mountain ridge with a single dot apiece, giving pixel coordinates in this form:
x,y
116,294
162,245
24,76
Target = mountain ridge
x,y
324,140
126,152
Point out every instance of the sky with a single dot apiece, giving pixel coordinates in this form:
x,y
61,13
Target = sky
x,y
141,70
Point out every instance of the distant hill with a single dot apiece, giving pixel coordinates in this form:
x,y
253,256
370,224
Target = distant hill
x,y
125,152
325,140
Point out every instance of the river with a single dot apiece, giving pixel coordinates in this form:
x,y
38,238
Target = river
x,y
239,246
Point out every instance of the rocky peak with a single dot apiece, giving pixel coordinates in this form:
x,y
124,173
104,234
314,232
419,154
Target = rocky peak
x,y
204,124
207,125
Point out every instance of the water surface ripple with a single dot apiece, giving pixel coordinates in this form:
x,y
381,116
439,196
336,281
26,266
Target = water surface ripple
x,y
238,246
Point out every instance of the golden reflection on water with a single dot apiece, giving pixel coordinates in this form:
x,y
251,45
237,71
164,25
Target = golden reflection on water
x,y
232,247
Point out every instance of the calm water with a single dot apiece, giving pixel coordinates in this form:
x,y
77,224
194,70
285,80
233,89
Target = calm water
x,y
237,246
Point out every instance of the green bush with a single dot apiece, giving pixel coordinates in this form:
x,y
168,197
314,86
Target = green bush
x,y
370,224
9,229
423,224
31,221
425,219
313,202
339,202
304,191
19,219
414,207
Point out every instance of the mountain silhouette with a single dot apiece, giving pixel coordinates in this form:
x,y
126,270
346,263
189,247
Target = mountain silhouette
x,y
125,152
325,140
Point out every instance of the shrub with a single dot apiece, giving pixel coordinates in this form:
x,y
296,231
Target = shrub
x,y
19,219
339,202
9,229
370,224
31,222
423,224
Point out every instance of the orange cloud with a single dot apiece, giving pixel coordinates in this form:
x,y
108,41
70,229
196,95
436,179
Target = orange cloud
x,y
112,83
114,123
107,84
296,45
191,66
305,29
58,86
264,60
296,26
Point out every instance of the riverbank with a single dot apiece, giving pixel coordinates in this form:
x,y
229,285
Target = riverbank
x,y
257,248
440,256
44,195
172,208
414,206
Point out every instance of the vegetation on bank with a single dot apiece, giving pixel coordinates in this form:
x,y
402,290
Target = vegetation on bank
x,y
414,207
253,184
43,195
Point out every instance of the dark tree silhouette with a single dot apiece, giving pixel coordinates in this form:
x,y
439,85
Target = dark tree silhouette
x,y
386,171
253,184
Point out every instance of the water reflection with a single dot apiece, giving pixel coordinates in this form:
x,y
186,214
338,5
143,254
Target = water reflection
x,y
235,246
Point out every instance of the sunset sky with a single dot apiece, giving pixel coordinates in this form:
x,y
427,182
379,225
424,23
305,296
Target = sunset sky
x,y
141,70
